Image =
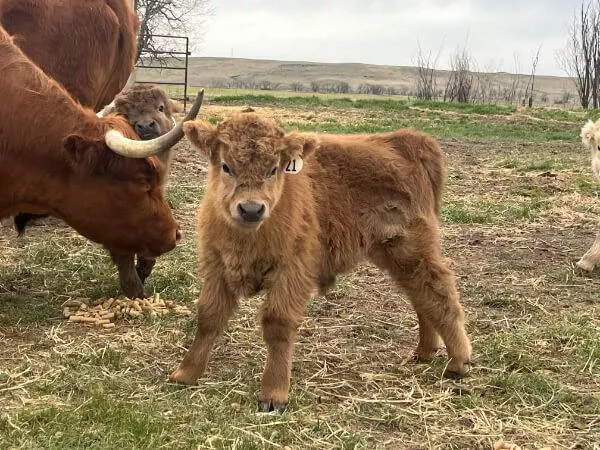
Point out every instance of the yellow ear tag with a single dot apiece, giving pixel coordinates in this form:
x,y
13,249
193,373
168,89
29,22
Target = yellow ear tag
x,y
295,165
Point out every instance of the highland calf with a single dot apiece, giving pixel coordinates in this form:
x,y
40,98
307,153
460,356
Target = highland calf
x,y
286,213
590,137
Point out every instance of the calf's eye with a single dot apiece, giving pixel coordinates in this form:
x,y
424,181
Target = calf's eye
x,y
226,169
273,172
161,108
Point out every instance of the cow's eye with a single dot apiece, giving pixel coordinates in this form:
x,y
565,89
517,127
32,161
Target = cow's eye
x,y
273,172
227,169
161,108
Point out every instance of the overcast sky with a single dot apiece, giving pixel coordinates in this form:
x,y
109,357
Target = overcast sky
x,y
388,31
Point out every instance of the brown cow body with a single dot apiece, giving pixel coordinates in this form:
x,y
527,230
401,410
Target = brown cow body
x,y
374,197
53,158
86,45
89,47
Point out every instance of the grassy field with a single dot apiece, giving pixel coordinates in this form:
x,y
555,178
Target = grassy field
x,y
520,208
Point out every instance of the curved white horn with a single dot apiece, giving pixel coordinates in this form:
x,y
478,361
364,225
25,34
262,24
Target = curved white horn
x,y
142,149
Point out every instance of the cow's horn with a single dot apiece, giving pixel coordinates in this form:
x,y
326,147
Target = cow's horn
x,y
142,149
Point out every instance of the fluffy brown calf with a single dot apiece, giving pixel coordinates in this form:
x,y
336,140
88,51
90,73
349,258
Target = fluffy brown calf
x,y
146,107
281,217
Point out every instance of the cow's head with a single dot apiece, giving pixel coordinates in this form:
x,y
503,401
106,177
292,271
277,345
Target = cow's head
x,y
590,137
116,185
115,200
250,160
147,108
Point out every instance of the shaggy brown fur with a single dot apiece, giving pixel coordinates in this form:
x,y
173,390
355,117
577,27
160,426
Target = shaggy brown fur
x,y
53,159
373,197
89,46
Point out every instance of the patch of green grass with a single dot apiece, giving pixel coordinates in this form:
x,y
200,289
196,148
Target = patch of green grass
x,y
458,212
482,212
565,115
534,163
440,125
486,109
312,102
586,185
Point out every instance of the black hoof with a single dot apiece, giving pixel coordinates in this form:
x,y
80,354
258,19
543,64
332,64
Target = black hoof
x,y
270,407
453,375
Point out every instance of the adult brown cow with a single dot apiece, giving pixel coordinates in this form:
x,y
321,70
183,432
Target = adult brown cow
x,y
277,217
60,158
87,45
149,111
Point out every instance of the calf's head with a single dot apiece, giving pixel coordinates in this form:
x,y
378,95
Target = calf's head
x,y
251,159
146,107
590,137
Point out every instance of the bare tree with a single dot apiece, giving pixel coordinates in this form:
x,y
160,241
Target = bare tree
x,y
426,74
461,82
167,17
531,84
581,57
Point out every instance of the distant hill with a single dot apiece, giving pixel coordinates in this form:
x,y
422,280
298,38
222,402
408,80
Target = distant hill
x,y
295,75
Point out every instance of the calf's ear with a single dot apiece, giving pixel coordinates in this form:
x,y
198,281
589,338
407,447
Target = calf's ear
x,y
297,147
300,145
587,133
203,136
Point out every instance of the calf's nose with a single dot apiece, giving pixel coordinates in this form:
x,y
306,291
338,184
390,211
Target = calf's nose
x,y
146,128
251,211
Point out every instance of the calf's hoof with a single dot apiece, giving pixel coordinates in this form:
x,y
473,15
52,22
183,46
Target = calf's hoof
x,y
272,406
585,265
182,377
456,371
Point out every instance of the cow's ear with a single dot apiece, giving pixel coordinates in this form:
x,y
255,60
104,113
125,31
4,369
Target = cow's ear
x,y
587,133
203,136
80,150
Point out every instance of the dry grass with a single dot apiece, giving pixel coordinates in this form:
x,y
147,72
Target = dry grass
x,y
513,229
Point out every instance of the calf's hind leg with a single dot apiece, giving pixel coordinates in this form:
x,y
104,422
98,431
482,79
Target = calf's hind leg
x,y
415,262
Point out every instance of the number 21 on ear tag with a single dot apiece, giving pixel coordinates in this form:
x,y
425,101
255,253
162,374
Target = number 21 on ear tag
x,y
295,165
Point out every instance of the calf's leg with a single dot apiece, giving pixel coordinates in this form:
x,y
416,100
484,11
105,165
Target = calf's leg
x,y
215,307
130,282
282,315
414,260
591,257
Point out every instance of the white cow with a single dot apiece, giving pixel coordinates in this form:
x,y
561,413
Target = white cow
x,y
590,136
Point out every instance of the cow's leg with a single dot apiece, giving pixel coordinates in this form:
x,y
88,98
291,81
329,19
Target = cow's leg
x,y
144,267
215,306
282,314
414,260
130,282
591,257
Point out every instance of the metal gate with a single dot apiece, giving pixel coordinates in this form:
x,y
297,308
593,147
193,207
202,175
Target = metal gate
x,y
168,55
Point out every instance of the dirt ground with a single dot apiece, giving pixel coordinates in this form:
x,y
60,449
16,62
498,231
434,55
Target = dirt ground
x,y
512,234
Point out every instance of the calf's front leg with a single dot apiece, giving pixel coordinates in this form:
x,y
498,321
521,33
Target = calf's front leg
x,y
282,315
215,307
591,257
